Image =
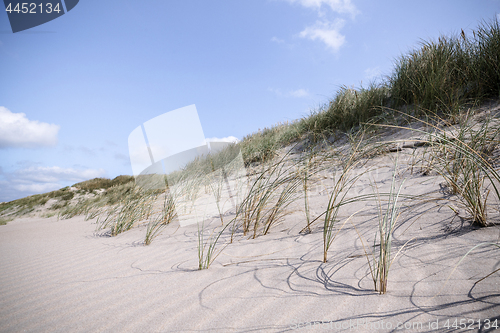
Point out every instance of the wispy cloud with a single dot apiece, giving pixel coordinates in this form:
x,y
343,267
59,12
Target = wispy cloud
x,y
225,139
338,6
299,93
326,29
17,131
327,32
56,174
33,180
277,40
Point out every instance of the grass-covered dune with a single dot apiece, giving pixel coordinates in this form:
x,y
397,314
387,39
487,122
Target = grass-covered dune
x,y
64,196
441,76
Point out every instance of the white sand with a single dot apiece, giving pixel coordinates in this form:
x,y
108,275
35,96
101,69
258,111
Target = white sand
x,y
59,276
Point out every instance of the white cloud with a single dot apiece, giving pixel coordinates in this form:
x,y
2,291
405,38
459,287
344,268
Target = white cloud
x,y
338,6
327,32
498,17
34,180
225,139
277,40
56,174
299,93
16,130
36,187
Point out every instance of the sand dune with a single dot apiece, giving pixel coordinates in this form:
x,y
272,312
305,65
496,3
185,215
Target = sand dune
x,y
62,276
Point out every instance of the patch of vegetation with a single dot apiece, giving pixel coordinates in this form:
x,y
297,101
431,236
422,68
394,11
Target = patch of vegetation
x,y
4,221
103,183
114,187
441,76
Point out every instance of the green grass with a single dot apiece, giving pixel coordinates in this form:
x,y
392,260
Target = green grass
x,y
64,196
387,224
344,182
270,193
461,154
207,249
4,221
445,74
440,76
165,217
103,183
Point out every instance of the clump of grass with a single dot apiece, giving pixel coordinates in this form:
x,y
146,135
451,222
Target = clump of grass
x,y
337,199
461,158
307,170
49,214
59,205
381,263
207,250
262,146
92,206
442,75
131,210
166,216
350,108
387,223
4,221
269,195
103,183
449,72
459,167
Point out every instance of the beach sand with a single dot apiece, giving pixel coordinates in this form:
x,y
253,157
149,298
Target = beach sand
x,y
62,276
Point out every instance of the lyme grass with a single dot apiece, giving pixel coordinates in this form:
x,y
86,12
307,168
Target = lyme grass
x,y
342,185
102,183
387,223
288,195
26,205
132,209
307,170
207,250
462,157
381,263
165,217
269,195
217,181
93,204
4,221
460,170
442,75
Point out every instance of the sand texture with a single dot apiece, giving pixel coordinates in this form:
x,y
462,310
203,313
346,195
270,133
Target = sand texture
x,y
63,276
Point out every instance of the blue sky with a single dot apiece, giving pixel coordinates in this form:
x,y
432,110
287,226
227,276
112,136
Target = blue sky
x,y
73,89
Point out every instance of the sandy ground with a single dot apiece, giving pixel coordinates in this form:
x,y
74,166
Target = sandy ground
x,y
62,276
